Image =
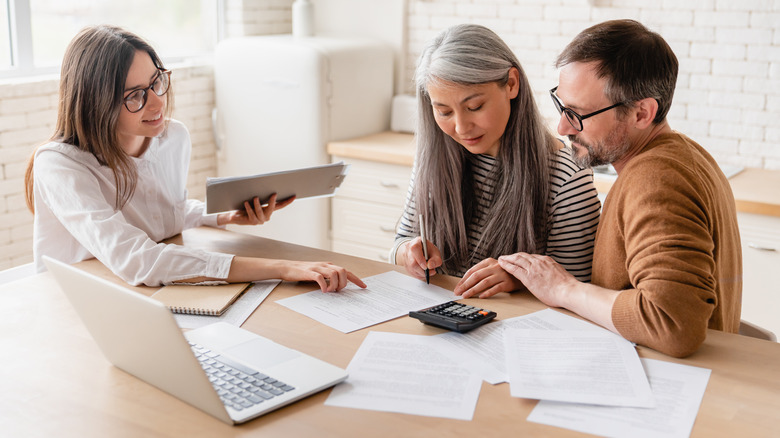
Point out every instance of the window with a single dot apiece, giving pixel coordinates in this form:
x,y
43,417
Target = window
x,y
35,33
5,39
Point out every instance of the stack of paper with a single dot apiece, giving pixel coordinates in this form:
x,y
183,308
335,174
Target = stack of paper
x,y
587,378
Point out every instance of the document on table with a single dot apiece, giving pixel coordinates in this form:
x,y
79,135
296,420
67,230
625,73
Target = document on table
x,y
388,295
237,313
677,390
393,372
591,367
482,349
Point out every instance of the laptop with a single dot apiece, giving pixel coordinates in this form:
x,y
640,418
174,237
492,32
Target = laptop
x,y
223,370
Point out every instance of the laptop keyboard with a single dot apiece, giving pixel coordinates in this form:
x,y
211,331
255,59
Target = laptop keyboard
x,y
238,386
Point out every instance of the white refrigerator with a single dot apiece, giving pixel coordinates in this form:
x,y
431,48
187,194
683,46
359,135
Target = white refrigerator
x,y
280,100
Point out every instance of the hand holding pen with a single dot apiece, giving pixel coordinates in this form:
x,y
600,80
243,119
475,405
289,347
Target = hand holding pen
x,y
425,248
418,254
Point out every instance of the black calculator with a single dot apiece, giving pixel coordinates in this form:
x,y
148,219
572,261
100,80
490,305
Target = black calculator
x,y
454,316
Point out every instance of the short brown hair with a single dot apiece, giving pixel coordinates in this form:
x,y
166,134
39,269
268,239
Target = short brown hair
x,y
636,62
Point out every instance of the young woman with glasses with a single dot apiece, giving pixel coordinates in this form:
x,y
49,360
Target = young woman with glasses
x,y
111,182
489,177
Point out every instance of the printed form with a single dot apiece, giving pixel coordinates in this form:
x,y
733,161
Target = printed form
x,y
677,389
594,367
482,349
388,295
393,372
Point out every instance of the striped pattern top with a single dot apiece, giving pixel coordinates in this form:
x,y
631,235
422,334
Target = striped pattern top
x,y
571,225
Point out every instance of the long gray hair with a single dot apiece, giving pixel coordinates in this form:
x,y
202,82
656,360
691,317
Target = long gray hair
x,y
470,54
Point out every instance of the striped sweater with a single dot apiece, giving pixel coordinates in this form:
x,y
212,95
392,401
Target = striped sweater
x,y
571,226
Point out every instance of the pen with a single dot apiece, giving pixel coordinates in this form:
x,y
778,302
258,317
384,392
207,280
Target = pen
x,y
425,249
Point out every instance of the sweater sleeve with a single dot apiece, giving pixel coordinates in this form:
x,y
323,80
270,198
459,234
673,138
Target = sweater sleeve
x,y
669,258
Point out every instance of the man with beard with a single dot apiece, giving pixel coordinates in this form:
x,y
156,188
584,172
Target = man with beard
x,y
667,261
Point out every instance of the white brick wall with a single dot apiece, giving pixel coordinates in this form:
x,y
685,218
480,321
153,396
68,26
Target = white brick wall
x,y
257,17
728,93
27,116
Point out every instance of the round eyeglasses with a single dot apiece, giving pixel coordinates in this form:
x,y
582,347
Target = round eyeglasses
x,y
136,100
575,120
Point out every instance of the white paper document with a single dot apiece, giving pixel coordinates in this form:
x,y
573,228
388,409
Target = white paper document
x,y
590,367
393,372
677,389
237,313
482,349
388,295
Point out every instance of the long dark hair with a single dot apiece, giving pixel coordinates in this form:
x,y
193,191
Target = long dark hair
x,y
92,83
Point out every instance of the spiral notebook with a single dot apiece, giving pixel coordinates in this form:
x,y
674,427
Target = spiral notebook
x,y
199,299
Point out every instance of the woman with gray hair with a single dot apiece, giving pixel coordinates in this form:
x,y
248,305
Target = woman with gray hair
x,y
489,176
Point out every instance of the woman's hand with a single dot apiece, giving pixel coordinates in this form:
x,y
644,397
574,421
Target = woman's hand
x,y
254,213
486,279
410,255
329,277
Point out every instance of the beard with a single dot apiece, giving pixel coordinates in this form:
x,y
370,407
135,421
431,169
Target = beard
x,y
607,151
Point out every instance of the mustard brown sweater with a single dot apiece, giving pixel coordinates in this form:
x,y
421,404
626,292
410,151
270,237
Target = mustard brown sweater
x,y
668,239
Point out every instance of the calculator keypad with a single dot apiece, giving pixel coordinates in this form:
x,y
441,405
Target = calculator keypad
x,y
454,316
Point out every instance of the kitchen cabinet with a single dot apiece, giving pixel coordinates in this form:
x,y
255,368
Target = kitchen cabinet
x,y
760,236
366,208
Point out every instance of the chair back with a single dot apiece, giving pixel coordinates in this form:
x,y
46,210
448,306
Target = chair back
x,y
754,331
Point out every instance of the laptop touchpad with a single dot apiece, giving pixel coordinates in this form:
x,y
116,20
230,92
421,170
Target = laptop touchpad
x,y
261,353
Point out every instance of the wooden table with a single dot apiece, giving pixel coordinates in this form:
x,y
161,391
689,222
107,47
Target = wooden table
x,y
55,382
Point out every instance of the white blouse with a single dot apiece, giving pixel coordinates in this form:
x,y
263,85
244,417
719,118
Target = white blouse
x,y
76,219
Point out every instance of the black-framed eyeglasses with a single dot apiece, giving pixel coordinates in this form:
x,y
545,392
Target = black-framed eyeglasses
x,y
136,100
575,120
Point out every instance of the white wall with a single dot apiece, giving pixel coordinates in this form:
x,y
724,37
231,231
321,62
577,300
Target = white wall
x,y
257,17
384,20
27,116
728,92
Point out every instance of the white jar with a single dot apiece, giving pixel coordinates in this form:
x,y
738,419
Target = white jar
x,y
302,18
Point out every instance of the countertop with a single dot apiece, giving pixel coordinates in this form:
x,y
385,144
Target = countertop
x,y
386,147
755,190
